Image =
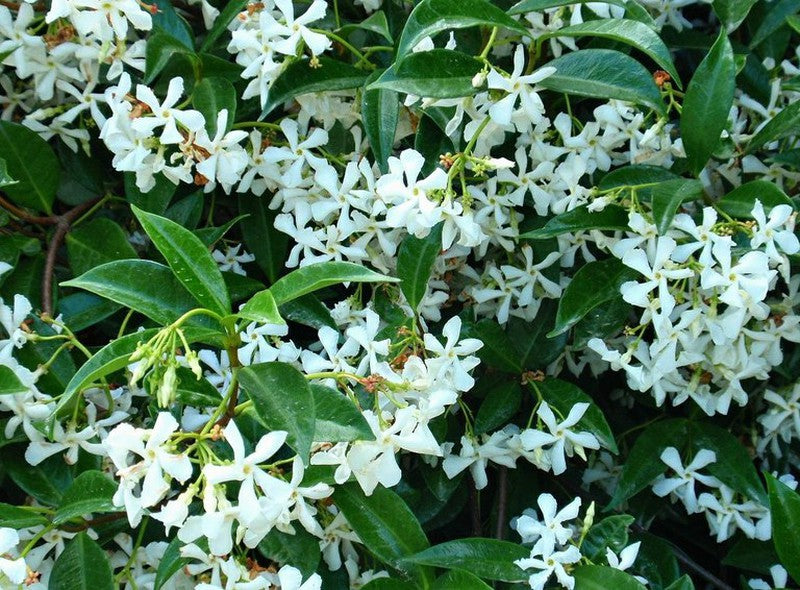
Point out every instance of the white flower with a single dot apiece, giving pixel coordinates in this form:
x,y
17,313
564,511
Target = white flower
x,y
447,364
683,486
548,564
550,530
14,570
566,441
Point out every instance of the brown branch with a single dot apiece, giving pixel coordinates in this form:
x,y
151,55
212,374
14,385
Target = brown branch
x,y
24,215
62,223
502,504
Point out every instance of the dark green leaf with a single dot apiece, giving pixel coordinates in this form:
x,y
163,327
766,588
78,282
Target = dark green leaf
x,y
536,350
784,506
309,311
300,549
210,96
613,217
634,33
415,260
430,17
170,563
263,241
17,517
385,525
595,283
732,12
156,199
90,492
5,178
611,532
782,125
603,73
160,49
501,403
752,555
374,23
81,310
318,276
46,482
211,235
707,103
773,20
486,558
438,73
300,78
389,584
667,197
635,175
31,162
196,392
10,383
338,419
168,20
598,577
379,112
96,242
460,579
232,8
83,565
282,400
261,308
189,260
497,350
682,583
741,200
541,5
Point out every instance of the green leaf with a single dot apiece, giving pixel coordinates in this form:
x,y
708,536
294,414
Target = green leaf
x,y
32,163
599,577
385,525
793,21
211,235
300,549
83,565
635,175
189,259
430,17
415,260
595,283
39,353
309,311
782,125
210,96
741,200
96,242
461,580
232,8
170,563
784,506
501,403
773,20
644,463
338,420
17,517
196,392
374,23
81,310
486,558
732,12
734,466
634,33
380,109
324,274
682,583
282,400
667,197
143,285
160,49
536,350
5,178
707,103
90,492
656,560
46,482
562,395
540,5
10,383
752,555
156,199
438,73
497,351
611,532
263,241
299,77
613,217
388,584
603,73
261,308
168,20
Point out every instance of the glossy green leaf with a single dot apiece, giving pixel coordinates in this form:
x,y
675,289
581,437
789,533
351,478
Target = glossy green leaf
x,y
501,403
261,308
309,311
18,517
300,549
210,96
784,506
211,235
374,23
299,77
196,392
741,200
5,177
774,19
486,558
752,555
563,395
96,242
282,400
535,349
595,283
541,5
46,482
631,32
656,560
637,12
603,73
82,310
667,196
732,12
415,260
707,103
32,163
143,285
613,217
90,492
10,383
389,584
156,199
430,17
226,15
380,109
83,565
324,274
784,124
338,419
168,20
643,463
611,532
682,583
497,351
438,73
161,47
635,175
263,241
734,466
189,259
386,526
460,579
170,563
599,577
38,353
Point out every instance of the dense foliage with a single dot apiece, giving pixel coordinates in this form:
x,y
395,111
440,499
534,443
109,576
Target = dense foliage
x,y
377,295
